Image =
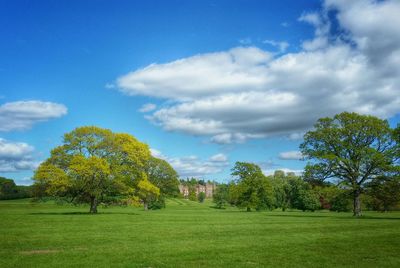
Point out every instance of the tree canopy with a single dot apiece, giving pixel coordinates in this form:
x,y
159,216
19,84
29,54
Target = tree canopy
x,y
93,165
252,190
354,149
161,174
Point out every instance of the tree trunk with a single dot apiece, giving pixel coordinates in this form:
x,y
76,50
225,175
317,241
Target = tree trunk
x,y
145,206
357,203
93,205
248,209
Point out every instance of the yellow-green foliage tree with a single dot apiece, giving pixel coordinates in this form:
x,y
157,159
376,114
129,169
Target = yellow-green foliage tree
x,y
93,165
147,192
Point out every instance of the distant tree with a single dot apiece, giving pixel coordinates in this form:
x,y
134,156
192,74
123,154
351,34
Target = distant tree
x,y
300,195
201,196
221,195
341,201
353,148
233,193
253,188
385,192
192,194
92,165
280,190
9,190
162,175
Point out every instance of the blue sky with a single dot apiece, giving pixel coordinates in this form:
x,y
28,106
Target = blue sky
x,y
203,83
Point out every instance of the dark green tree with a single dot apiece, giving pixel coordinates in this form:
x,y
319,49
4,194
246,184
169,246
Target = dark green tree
x,y
201,196
354,149
162,175
221,196
385,192
254,191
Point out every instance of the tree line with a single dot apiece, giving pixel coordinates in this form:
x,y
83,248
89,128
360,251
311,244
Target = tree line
x,y
9,190
252,190
349,157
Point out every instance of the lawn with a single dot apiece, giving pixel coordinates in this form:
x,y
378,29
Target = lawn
x,y
189,234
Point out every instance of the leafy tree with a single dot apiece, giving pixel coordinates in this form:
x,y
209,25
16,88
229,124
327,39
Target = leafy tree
x,y
162,175
332,197
385,192
300,195
201,196
353,148
221,195
233,193
341,201
92,165
280,190
192,194
158,203
253,188
147,192
9,190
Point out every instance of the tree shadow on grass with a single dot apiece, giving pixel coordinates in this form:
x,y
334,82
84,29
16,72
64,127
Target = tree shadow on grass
x,y
344,217
215,207
84,213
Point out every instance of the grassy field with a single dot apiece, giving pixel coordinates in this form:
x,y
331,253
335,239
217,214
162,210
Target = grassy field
x,y
188,234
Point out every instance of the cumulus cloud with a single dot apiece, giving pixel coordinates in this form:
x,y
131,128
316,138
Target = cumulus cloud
x,y
246,92
192,166
16,156
148,107
199,76
291,155
22,115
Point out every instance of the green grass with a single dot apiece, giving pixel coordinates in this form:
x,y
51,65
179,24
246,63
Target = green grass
x,y
188,234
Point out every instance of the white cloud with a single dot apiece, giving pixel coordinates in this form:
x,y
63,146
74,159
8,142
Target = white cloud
x,y
245,41
109,86
22,115
269,172
199,76
148,107
285,24
16,156
246,92
192,166
282,46
219,158
291,155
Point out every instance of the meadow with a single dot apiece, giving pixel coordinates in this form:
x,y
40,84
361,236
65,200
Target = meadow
x,y
190,234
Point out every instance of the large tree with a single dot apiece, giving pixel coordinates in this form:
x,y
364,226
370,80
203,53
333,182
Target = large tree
x,y
163,175
354,149
92,166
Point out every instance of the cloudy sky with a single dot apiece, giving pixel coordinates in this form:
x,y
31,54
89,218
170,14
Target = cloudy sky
x,y
204,83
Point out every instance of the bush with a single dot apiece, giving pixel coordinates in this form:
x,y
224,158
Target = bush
x,y
158,203
192,195
221,195
341,202
201,197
